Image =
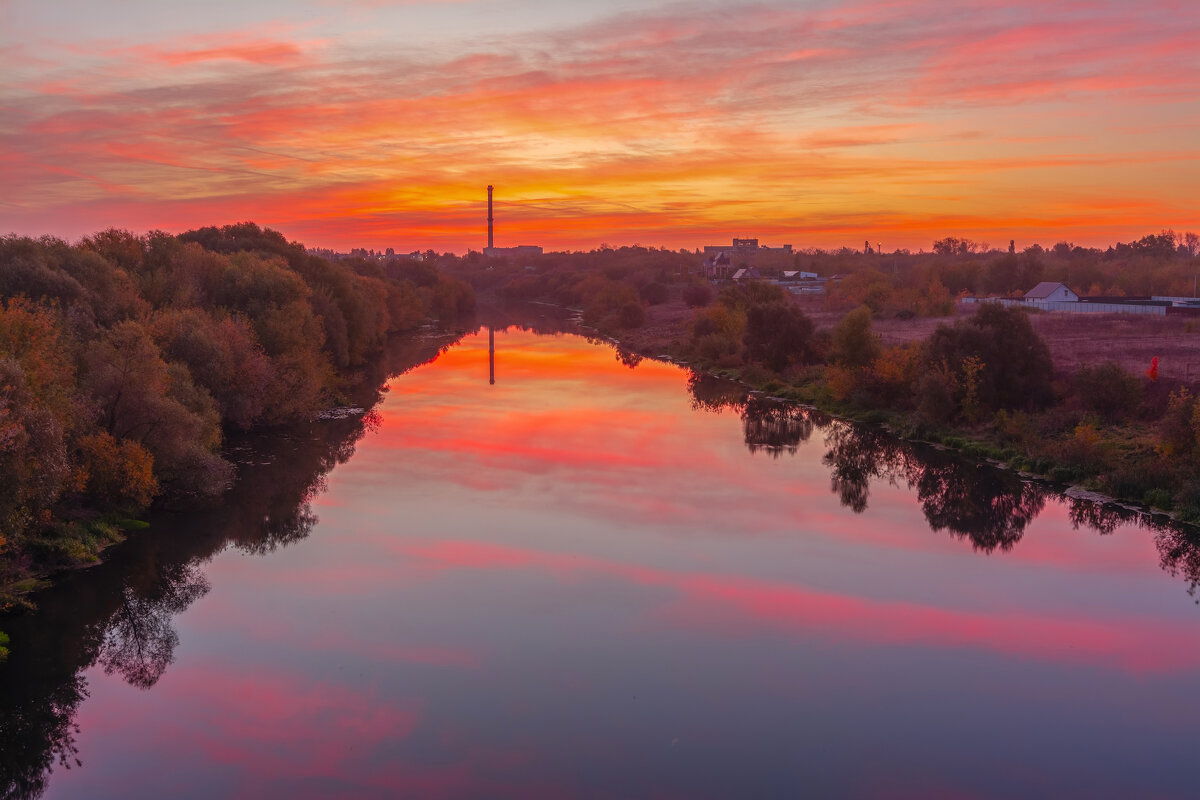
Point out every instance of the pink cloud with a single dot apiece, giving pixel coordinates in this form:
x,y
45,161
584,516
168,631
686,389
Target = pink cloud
x,y
739,606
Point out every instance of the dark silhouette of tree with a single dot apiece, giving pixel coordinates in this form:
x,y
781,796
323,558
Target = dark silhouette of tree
x,y
139,641
1014,365
38,734
778,334
629,358
856,455
1179,554
710,393
987,506
1102,518
774,427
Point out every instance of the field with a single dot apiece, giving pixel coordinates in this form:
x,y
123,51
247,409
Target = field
x,y
1130,340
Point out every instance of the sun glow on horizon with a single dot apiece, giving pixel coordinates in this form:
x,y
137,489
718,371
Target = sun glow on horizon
x,y
676,124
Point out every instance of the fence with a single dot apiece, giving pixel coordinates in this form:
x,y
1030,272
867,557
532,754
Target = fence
x,y
1075,307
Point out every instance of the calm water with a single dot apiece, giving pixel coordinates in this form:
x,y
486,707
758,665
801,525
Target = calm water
x,y
596,578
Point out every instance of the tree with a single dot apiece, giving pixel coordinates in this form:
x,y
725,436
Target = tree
x,y
697,295
1016,370
778,335
654,293
1107,390
854,344
1191,243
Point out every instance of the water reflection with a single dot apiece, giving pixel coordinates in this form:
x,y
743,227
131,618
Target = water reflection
x,y
119,614
990,508
137,641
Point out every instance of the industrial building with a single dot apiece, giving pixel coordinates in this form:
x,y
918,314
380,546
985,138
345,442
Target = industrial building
x,y
491,251
744,247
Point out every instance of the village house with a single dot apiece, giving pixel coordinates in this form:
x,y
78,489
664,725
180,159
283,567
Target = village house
x,y
1050,291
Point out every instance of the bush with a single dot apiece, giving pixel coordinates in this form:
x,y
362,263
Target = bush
x,y
697,295
854,345
1159,498
1014,369
1107,390
631,315
778,335
654,293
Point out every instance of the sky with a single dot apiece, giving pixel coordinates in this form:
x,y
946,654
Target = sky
x,y
815,123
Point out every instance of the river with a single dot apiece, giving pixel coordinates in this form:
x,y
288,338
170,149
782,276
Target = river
x,y
597,577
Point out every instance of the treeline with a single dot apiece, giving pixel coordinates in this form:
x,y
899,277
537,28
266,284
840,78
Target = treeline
x,y
124,359
616,286
903,282
613,287
985,384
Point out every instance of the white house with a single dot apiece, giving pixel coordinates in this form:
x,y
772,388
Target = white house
x,y
1048,291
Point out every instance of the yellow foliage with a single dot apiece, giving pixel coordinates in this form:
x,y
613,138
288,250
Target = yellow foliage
x,y
1086,435
727,322
972,366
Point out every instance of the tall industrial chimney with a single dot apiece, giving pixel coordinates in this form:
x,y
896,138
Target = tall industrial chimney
x,y
490,244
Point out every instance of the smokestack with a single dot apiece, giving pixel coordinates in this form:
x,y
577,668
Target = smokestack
x,y
490,245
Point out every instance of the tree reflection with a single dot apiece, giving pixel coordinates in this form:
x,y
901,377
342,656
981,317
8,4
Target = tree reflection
x,y
710,393
119,615
989,507
629,358
857,455
37,736
1179,553
775,427
1104,518
138,641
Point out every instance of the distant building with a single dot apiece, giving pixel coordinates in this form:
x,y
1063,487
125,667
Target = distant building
x,y
744,247
1050,291
512,252
747,274
718,267
797,275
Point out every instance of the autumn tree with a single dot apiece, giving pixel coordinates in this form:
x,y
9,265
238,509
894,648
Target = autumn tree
x,y
854,343
778,335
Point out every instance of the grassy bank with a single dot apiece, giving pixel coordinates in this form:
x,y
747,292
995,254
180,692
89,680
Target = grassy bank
x,y
986,388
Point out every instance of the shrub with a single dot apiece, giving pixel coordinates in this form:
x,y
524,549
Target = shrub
x,y
778,335
1107,390
1158,498
654,293
697,295
854,345
1015,366
631,315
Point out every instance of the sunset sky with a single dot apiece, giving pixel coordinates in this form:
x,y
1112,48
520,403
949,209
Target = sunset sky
x,y
379,123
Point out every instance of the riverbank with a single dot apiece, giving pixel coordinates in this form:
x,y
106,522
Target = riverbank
x,y
1125,458
356,399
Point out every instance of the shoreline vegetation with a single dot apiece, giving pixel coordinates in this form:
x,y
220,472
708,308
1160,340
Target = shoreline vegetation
x,y
127,361
978,379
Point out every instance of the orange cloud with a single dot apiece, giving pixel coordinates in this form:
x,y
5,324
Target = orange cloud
x,y
813,127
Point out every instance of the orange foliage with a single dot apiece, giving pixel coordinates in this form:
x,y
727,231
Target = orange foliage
x,y
118,473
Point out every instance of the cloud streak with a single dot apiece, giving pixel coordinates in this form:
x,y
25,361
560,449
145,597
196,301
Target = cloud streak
x,y
811,125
